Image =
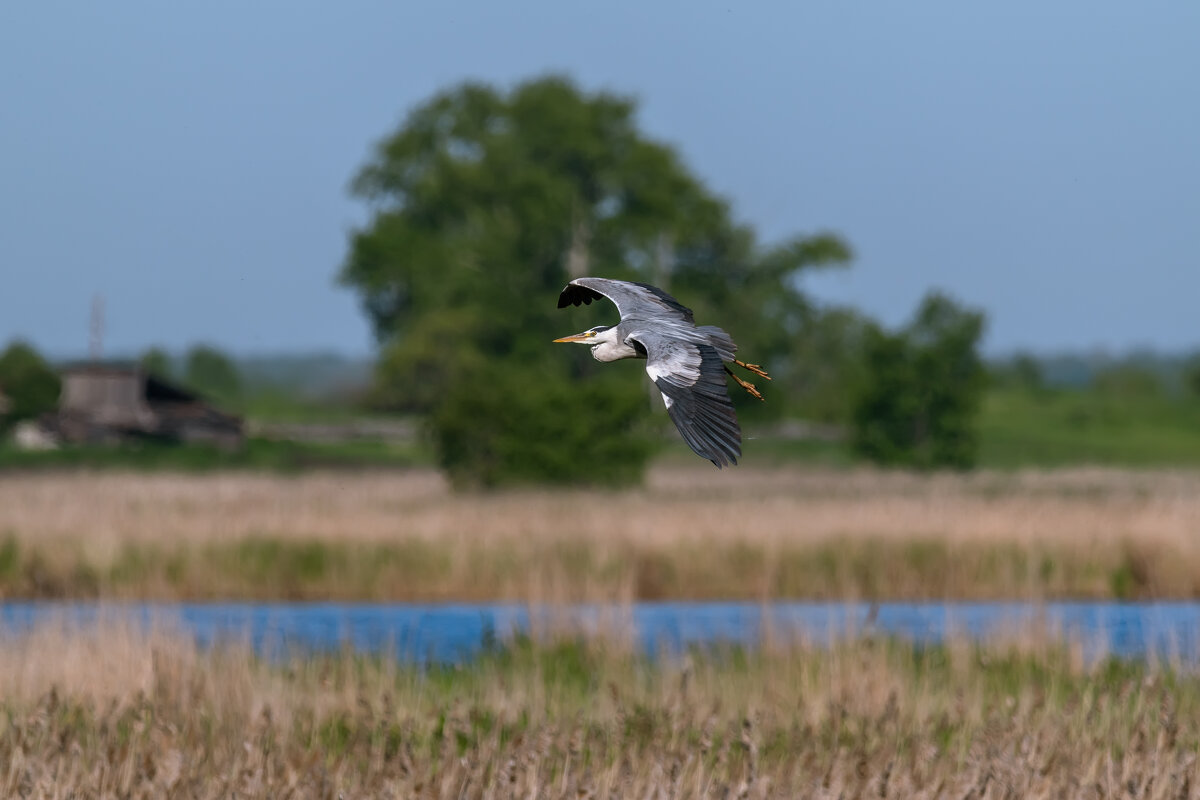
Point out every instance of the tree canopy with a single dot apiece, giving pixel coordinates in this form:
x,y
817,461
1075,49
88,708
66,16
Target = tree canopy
x,y
484,204
30,384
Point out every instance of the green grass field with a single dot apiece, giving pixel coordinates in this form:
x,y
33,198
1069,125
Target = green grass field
x,y
1021,429
1017,429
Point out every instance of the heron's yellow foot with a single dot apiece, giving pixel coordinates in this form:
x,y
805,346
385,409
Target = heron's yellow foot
x,y
749,387
755,368
752,389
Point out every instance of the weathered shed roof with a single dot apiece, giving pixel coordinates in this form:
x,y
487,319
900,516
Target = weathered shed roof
x,y
101,401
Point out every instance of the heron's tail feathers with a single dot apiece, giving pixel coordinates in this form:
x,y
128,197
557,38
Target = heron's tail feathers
x,y
720,340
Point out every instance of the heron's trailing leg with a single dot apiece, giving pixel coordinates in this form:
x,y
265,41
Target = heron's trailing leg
x,y
755,368
749,387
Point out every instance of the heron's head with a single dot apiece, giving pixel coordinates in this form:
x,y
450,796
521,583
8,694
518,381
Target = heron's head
x,y
591,336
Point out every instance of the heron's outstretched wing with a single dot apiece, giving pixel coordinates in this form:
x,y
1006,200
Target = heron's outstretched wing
x,y
633,300
691,378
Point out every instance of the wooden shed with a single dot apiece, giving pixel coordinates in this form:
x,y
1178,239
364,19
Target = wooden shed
x,y
114,402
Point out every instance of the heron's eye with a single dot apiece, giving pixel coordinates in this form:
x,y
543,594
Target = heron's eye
x,y
591,334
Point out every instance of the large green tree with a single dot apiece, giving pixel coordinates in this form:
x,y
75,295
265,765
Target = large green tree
x,y
484,203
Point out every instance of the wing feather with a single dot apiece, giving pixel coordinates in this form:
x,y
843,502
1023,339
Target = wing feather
x,y
631,299
691,378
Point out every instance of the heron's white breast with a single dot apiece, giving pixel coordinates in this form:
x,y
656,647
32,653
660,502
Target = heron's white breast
x,y
612,351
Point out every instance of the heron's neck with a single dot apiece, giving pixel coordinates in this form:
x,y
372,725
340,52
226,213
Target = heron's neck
x,y
609,348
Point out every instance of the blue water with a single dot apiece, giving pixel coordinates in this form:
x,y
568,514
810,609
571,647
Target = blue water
x,y
449,633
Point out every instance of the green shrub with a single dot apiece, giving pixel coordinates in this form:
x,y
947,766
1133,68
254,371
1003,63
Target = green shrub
x,y
211,372
919,403
29,383
518,425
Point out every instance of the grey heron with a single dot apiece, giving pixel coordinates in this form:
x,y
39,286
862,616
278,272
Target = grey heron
x,y
687,363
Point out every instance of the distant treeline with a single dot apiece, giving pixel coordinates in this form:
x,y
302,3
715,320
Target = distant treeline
x,y
1146,370
342,380
317,376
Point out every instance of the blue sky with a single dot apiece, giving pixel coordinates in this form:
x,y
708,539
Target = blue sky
x,y
189,161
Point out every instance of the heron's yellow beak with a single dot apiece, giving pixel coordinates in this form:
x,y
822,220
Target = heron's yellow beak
x,y
575,337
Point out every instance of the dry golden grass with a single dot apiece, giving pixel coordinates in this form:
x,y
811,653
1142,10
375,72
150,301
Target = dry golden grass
x,y
689,532
678,505
119,712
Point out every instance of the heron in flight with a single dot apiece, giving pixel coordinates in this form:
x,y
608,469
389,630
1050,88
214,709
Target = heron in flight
x,y
687,362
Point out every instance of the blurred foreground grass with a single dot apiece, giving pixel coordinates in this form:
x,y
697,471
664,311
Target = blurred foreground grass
x,y
119,711
690,533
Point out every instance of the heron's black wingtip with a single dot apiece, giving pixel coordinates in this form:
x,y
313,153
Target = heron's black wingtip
x,y
573,295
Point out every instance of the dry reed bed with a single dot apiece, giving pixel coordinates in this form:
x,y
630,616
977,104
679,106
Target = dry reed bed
x,y
122,712
690,532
